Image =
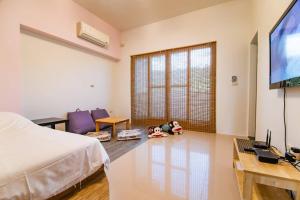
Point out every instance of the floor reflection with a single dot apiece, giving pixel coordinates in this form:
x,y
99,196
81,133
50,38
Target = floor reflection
x,y
177,167
199,171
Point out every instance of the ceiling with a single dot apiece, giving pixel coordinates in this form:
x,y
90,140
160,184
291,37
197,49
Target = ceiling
x,y
127,14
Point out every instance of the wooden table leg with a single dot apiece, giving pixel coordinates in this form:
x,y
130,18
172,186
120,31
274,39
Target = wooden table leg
x,y
97,126
298,193
248,186
113,130
128,125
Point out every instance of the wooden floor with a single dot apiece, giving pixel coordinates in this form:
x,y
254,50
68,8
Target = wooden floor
x,y
205,162
97,188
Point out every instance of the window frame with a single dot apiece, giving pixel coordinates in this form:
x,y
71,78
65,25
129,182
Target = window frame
x,y
209,126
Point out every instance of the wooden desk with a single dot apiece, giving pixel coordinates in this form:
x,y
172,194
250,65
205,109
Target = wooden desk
x,y
51,122
255,178
113,121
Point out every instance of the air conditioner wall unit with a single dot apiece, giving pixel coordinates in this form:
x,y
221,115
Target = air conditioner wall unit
x,y
92,35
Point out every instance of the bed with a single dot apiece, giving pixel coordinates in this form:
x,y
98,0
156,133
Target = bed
x,y
39,162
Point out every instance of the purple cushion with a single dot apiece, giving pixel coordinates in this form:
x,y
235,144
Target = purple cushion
x,y
99,114
81,122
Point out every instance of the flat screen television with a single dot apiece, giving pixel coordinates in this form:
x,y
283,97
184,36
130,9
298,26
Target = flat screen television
x,y
285,49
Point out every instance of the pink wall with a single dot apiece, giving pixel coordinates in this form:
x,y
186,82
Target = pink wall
x,y
56,18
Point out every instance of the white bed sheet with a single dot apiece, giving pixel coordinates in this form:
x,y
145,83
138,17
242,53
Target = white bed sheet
x,y
38,162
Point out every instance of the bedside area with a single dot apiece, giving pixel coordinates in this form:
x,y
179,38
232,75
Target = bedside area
x,y
51,122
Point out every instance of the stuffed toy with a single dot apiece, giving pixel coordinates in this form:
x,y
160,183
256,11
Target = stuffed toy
x,y
165,128
175,128
156,132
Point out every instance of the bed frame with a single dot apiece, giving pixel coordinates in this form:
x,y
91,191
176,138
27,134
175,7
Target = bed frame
x,y
99,177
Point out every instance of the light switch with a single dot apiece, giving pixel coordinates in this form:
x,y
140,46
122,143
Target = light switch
x,y
234,80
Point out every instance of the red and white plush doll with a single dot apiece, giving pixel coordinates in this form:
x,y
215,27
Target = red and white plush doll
x,y
175,128
156,132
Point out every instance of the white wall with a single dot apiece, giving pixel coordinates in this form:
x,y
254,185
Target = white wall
x,y
230,25
252,90
270,102
57,78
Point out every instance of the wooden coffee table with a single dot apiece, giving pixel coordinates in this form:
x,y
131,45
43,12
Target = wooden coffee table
x,y
113,121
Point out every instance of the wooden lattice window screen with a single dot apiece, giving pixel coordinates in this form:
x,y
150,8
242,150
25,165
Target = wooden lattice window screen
x,y
175,84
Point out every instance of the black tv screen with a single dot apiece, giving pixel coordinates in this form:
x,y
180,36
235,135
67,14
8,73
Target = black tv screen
x,y
285,49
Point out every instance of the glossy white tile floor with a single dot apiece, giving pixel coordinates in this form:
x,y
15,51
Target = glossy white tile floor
x,y
194,166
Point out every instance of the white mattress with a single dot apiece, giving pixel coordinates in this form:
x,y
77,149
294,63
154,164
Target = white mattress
x,y
38,162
